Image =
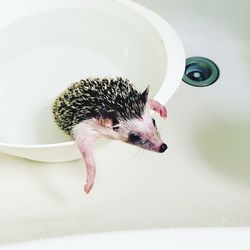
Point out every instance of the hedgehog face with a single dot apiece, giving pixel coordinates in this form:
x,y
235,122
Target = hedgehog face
x,y
142,132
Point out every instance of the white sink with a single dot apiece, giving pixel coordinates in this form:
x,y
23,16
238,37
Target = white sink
x,y
203,179
161,239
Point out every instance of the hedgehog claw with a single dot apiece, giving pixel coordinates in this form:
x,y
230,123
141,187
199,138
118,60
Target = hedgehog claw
x,y
87,187
163,112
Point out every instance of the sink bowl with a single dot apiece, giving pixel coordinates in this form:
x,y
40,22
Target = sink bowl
x,y
45,46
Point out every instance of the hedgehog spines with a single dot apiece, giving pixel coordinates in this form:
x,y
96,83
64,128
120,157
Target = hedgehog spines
x,y
94,98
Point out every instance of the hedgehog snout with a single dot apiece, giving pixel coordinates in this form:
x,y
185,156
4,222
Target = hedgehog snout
x,y
160,148
163,148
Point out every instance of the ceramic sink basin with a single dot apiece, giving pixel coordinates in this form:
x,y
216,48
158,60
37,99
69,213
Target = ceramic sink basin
x,y
194,196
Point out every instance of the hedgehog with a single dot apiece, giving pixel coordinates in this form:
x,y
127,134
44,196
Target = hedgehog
x,y
109,108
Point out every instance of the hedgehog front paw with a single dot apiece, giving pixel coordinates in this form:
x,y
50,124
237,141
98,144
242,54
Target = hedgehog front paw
x,y
159,108
163,112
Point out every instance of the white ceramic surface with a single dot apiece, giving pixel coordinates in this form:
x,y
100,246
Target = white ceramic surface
x,y
202,180
46,45
175,239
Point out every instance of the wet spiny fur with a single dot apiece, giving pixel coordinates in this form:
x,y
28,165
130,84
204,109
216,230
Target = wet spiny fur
x,y
95,98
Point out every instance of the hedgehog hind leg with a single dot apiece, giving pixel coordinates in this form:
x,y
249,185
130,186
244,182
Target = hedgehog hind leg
x,y
85,143
86,148
85,134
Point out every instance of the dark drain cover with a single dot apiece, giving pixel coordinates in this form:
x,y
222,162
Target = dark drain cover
x,y
200,72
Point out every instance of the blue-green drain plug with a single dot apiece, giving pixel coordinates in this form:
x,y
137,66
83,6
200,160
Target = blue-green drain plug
x,y
200,72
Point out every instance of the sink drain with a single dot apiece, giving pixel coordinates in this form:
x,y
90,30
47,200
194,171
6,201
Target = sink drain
x,y
200,72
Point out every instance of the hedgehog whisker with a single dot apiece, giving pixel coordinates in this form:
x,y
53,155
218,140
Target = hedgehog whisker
x,y
142,150
137,153
162,125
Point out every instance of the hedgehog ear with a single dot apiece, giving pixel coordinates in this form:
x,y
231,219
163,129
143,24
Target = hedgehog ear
x,y
144,95
108,119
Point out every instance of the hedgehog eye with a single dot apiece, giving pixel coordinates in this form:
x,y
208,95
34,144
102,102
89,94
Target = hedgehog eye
x,y
134,137
154,123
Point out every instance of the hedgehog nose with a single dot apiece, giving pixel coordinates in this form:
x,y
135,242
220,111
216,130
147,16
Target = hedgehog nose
x,y
163,147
